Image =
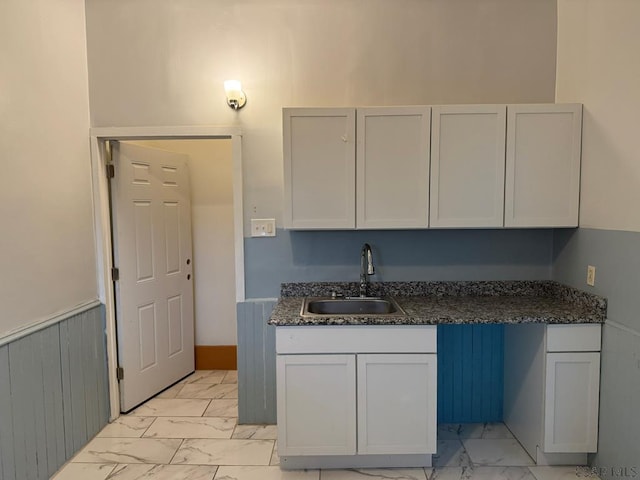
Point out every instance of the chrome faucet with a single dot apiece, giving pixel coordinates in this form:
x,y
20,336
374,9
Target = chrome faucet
x,y
366,268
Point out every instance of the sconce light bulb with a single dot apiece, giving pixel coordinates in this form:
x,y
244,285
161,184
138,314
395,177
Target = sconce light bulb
x,y
236,98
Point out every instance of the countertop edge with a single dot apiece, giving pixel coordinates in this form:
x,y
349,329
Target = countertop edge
x,y
555,304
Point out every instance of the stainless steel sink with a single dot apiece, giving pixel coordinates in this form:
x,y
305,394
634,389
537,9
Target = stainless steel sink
x,y
350,306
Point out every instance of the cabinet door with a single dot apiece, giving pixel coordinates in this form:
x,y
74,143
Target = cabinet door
x,y
571,402
393,167
316,404
319,168
542,184
397,403
467,166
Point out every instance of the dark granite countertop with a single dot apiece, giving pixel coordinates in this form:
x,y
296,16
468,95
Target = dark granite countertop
x,y
432,303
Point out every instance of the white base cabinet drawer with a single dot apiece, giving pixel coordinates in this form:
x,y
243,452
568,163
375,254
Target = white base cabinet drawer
x,y
574,338
356,338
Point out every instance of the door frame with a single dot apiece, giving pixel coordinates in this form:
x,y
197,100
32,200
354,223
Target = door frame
x,y
102,219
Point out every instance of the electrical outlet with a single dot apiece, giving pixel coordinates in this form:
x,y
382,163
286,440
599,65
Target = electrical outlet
x,y
263,227
591,275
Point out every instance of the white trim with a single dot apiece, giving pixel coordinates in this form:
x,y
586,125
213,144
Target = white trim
x,y
140,133
102,224
620,326
100,187
261,300
238,219
42,324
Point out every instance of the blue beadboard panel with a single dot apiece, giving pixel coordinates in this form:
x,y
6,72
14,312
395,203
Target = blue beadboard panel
x,y
53,395
256,363
470,373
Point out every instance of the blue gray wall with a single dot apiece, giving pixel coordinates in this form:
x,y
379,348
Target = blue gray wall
x,y
616,256
305,256
53,395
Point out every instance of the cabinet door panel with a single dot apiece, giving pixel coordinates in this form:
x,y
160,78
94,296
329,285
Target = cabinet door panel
x,y
543,165
319,168
397,403
467,166
393,167
571,402
316,404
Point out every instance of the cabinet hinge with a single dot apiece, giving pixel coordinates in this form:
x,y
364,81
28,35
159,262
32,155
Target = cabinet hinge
x,y
115,274
111,171
120,373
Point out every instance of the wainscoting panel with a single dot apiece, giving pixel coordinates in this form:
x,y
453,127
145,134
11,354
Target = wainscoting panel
x,y
84,377
470,373
53,395
256,363
7,464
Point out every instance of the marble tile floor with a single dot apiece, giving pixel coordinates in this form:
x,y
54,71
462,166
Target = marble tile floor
x,y
190,432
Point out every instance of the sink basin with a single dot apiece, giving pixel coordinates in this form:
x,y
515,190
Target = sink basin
x,y
350,306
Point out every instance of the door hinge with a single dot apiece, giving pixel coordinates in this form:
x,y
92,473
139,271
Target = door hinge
x,y
111,170
120,373
115,274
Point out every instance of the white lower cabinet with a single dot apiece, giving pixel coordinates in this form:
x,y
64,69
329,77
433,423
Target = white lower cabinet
x,y
396,403
358,408
571,402
552,387
316,404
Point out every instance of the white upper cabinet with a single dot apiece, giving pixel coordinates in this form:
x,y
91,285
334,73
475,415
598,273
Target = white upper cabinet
x,y
543,165
467,166
319,168
452,166
392,167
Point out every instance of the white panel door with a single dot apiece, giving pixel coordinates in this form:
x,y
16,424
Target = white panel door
x,y
542,184
316,404
319,168
571,402
152,250
393,167
467,166
397,403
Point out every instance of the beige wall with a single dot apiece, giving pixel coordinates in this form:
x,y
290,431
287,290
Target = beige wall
x,y
47,259
163,63
211,174
599,66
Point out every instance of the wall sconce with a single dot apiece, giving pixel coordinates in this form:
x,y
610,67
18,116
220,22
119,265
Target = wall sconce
x,y
236,98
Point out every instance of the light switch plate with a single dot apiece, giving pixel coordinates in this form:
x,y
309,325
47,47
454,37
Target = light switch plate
x,y
263,227
591,275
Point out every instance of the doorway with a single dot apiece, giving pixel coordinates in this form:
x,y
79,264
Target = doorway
x,y
173,138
